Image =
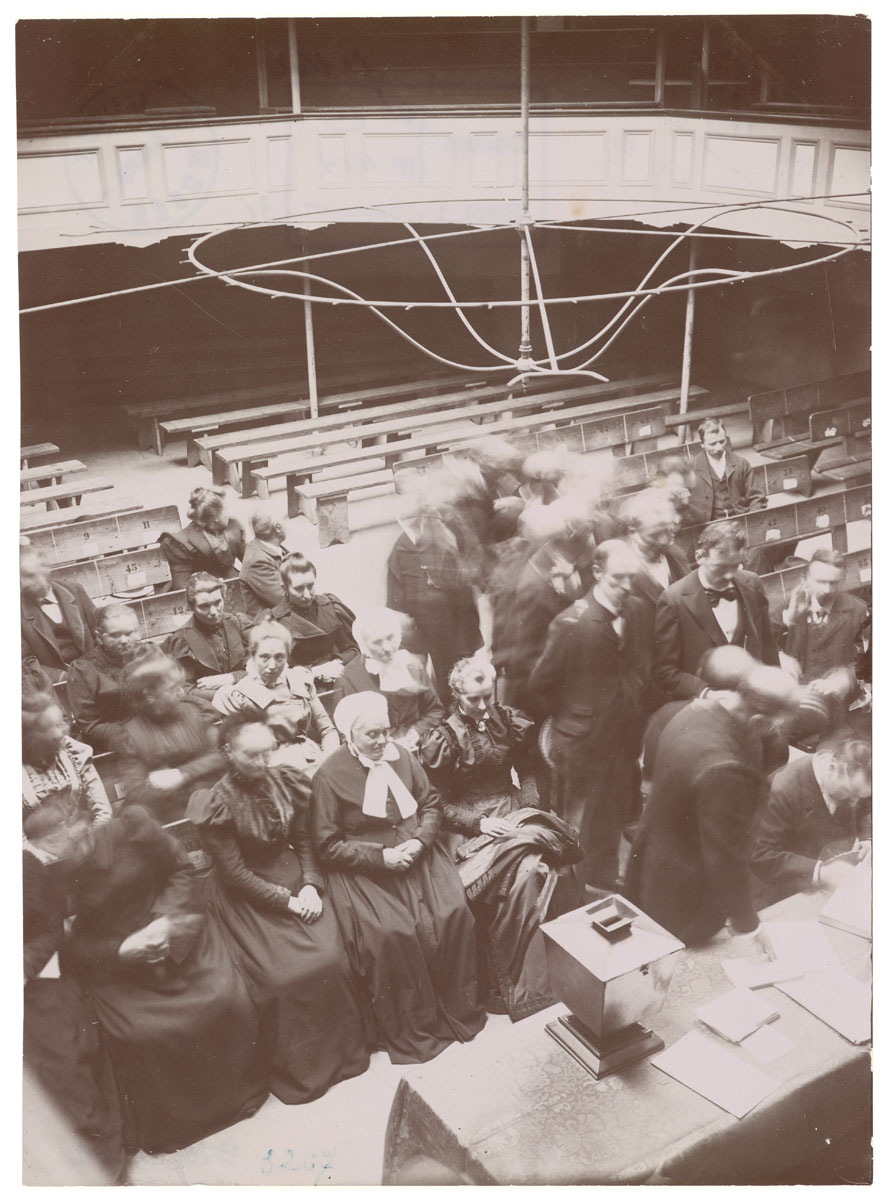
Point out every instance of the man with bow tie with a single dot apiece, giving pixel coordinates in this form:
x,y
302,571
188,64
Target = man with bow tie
x,y
718,604
57,618
591,680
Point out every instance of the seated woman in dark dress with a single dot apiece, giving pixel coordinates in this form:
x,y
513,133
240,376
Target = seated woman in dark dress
x,y
170,746
61,789
383,667
471,757
265,892
175,1011
95,681
397,896
284,697
212,542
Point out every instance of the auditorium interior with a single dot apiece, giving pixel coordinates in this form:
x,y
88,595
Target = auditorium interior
x,y
247,246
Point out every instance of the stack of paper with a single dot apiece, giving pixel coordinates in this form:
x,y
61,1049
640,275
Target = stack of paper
x,y
850,908
800,944
759,972
836,998
716,1073
736,1014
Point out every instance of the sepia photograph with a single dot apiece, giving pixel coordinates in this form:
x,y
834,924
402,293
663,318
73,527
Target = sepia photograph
x,y
446,597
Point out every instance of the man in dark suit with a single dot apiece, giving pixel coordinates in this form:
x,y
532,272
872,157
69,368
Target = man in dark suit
x,y
715,605
213,645
724,483
689,864
57,618
823,622
260,565
590,679
817,822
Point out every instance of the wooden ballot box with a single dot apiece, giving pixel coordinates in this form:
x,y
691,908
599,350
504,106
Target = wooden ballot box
x,y
611,965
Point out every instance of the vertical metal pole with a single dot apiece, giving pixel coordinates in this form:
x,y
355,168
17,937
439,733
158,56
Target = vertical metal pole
x,y
525,350
262,68
295,88
688,344
705,64
309,350
659,85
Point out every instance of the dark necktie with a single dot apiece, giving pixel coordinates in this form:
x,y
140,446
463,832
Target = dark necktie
x,y
714,596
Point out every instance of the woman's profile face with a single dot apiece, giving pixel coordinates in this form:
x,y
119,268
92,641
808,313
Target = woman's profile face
x,y
249,750
475,698
383,644
269,658
370,737
44,739
213,517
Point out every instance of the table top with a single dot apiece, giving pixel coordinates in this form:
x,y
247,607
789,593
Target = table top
x,y
517,1109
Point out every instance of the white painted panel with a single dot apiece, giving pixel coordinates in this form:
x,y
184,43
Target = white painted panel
x,y
568,157
741,164
133,175
67,180
803,171
682,159
637,156
333,160
280,161
851,171
408,159
483,157
208,168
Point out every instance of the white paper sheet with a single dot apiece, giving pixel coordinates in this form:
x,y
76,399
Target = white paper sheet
x,y
802,944
836,998
720,1075
767,1044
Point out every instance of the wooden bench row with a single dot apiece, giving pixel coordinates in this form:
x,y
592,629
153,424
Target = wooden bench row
x,y
792,522
111,534
147,415
221,454
31,523
814,418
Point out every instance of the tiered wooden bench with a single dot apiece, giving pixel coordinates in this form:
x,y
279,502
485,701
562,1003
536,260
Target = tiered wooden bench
x,y
218,453
497,418
111,534
300,468
793,522
781,418
39,450
65,491
116,574
850,428
164,612
205,431
99,506
147,414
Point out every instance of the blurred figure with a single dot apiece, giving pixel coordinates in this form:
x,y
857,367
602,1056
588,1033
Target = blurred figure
x,y
725,485
382,666
677,479
211,647
717,603
651,524
169,745
590,679
211,542
689,864
817,823
318,623
260,566
429,581
57,618
95,682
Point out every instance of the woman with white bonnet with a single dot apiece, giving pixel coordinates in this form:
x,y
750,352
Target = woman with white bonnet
x,y
398,898
413,704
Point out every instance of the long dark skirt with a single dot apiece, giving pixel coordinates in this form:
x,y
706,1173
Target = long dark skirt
x,y
410,939
183,1041
312,1032
63,1048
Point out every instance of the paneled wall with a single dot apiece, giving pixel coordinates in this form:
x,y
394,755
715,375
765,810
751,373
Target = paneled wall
x,y
137,186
